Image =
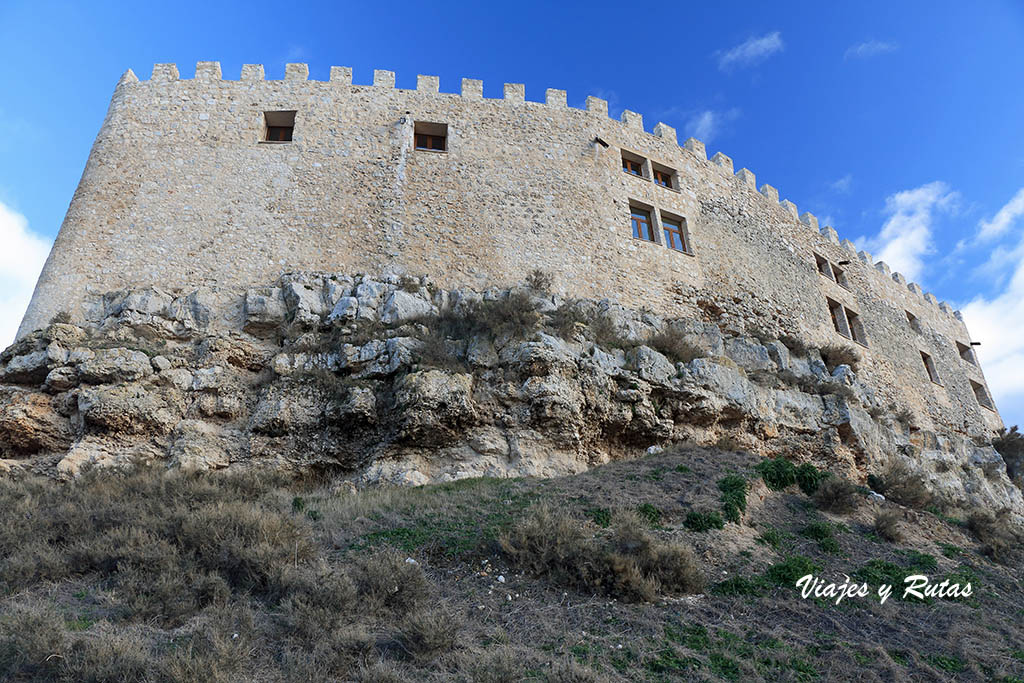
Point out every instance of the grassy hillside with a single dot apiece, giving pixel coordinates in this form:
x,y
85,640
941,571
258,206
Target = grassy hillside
x,y
677,566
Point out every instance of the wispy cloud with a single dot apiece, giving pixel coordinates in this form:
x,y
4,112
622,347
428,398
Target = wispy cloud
x,y
1004,218
706,125
21,259
906,236
869,48
750,52
843,185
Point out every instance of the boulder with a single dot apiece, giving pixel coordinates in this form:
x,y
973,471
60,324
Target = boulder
x,y
30,423
264,312
110,366
403,306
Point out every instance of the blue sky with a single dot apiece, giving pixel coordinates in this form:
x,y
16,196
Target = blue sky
x,y
900,124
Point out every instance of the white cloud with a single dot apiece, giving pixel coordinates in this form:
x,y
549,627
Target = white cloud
x,y
869,48
998,322
1003,219
842,185
906,236
21,259
751,52
706,125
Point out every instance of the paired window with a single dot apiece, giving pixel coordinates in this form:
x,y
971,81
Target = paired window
x,y
831,270
984,400
431,137
846,322
673,228
929,366
636,165
278,126
967,353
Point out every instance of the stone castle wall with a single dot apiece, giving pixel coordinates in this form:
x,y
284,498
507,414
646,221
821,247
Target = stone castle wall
x,y
180,193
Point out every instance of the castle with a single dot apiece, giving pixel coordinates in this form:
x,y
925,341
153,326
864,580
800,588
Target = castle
x,y
223,184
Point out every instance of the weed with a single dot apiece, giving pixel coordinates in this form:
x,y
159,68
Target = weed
x,y
823,534
703,521
649,514
777,473
835,355
675,346
771,537
837,494
898,482
1010,445
734,496
887,526
540,280
999,537
787,572
601,516
947,663
725,667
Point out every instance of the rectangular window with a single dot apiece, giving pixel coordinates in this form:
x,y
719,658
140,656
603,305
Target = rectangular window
x,y
835,309
431,136
929,365
856,327
278,126
641,221
840,276
675,233
633,167
665,176
823,266
912,319
967,353
980,393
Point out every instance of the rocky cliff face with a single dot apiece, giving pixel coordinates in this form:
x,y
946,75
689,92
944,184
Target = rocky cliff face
x,y
397,382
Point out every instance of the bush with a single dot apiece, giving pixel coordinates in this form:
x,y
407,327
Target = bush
x,y
1010,445
823,534
734,496
835,355
809,477
540,280
787,572
901,484
887,526
568,319
675,346
777,473
703,521
427,634
629,564
837,494
997,534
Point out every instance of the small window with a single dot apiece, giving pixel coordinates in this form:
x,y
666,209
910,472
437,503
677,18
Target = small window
x,y
929,365
278,126
856,327
664,176
675,233
633,164
641,220
984,400
967,353
838,317
912,319
823,266
432,137
840,276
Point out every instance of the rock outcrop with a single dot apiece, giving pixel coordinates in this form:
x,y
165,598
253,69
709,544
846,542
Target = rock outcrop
x,y
397,382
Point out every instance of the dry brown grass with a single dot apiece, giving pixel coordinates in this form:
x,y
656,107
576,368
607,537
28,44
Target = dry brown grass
x,y
675,346
887,526
1000,538
835,355
628,564
837,494
898,482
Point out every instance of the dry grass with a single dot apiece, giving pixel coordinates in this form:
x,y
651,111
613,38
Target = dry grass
x,y
155,576
835,355
1000,538
628,564
887,526
898,482
675,346
837,494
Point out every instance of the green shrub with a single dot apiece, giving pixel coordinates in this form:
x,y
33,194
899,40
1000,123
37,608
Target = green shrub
x,y
649,513
808,477
734,496
777,473
1010,445
823,534
787,572
703,521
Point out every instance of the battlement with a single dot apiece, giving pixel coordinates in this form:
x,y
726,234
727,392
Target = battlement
x,y
185,188
209,72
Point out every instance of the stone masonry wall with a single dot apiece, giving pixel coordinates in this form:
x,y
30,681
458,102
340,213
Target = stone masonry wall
x,y
180,193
